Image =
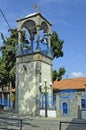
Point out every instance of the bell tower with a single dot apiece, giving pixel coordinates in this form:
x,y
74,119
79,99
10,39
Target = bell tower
x,y
33,63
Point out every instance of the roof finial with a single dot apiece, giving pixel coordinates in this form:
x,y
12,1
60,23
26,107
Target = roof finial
x,y
35,7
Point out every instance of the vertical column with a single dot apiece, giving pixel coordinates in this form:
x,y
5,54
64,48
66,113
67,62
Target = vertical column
x,y
49,36
8,98
10,95
38,38
79,100
19,36
2,98
31,38
19,41
57,105
49,43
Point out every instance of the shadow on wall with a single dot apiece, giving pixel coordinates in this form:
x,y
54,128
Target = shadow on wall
x,y
27,90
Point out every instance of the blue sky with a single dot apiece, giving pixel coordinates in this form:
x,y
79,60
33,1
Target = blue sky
x,y
68,18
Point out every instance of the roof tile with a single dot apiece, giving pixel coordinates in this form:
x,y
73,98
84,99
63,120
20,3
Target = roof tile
x,y
73,83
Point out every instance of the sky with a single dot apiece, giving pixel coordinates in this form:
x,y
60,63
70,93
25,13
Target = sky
x,y
68,18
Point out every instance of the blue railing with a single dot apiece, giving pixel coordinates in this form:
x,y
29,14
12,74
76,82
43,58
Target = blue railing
x,y
23,49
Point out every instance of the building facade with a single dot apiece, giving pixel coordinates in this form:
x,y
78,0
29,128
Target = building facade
x,y
70,98
7,96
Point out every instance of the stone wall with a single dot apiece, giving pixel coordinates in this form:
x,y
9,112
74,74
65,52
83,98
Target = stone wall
x,y
74,103
30,71
74,107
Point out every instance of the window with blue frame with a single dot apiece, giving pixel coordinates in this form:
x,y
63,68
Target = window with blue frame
x,y
54,99
83,103
65,108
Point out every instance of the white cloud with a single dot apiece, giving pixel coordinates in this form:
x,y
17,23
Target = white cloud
x,y
77,74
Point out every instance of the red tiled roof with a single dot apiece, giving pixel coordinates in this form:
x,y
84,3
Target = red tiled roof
x,y
73,83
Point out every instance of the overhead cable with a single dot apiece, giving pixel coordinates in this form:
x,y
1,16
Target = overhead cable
x,y
5,19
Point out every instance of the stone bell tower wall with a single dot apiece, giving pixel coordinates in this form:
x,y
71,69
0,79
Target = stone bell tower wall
x,y
30,71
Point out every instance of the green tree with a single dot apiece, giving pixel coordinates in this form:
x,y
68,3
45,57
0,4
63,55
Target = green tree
x,y
57,75
57,45
8,59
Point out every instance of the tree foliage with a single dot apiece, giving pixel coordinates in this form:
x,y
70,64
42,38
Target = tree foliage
x,y
57,45
8,59
57,75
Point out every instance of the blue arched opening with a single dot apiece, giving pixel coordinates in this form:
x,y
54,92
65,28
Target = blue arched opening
x,y
65,108
83,103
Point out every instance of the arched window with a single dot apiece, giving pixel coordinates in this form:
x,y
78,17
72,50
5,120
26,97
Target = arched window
x,y
83,103
65,108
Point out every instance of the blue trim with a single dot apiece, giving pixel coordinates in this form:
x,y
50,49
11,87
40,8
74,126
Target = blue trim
x,y
71,93
83,103
65,99
65,108
5,102
68,91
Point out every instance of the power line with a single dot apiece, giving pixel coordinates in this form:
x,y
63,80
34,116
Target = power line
x,y
5,19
